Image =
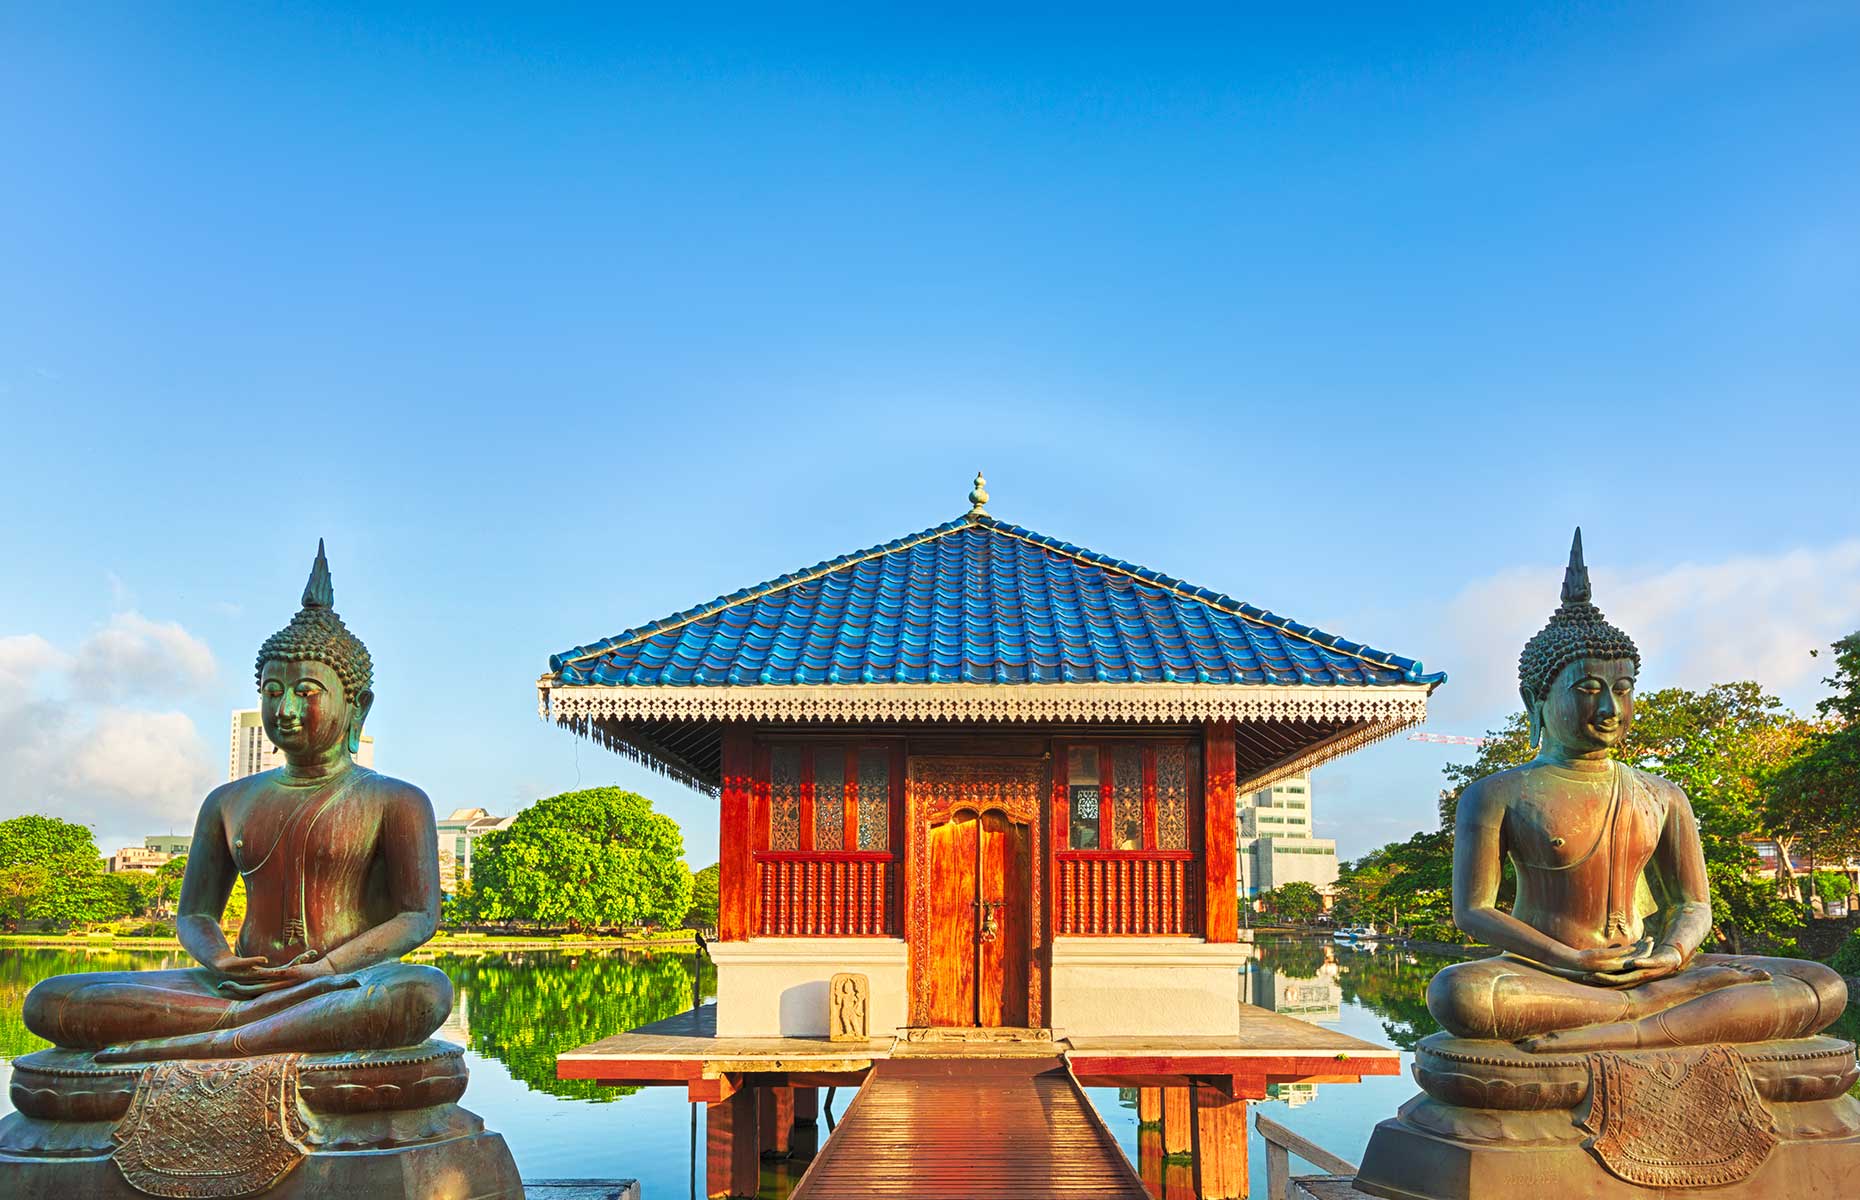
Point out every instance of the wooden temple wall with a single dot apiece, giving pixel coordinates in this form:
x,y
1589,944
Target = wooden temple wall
x,y
802,891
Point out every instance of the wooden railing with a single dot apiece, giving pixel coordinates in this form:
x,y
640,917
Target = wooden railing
x,y
1281,1144
1128,892
825,895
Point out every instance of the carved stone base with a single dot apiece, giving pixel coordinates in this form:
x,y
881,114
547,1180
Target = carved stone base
x,y
381,1123
472,1165
1730,1123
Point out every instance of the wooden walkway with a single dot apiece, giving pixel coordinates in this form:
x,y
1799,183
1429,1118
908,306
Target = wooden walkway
x,y
981,1127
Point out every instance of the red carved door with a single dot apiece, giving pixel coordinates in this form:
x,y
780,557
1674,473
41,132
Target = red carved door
x,y
980,900
974,917
1003,902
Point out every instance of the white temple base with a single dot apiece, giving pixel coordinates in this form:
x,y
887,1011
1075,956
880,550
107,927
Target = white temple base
x,y
1145,987
777,987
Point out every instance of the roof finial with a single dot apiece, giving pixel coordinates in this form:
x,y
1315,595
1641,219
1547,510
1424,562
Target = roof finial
x,y
1576,576
978,497
319,592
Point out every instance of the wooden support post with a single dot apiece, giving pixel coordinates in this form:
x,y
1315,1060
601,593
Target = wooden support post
x,y
775,1120
736,873
806,1105
1220,1145
1150,1140
1178,1181
1220,846
732,1168
1178,1123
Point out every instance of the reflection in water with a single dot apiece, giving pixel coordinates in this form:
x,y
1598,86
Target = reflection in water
x,y
20,969
522,1008
1387,980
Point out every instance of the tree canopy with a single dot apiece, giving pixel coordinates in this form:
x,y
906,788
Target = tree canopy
x,y
594,858
50,871
1296,902
1815,796
703,914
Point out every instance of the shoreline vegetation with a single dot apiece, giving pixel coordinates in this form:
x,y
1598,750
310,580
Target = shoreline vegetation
x,y
677,940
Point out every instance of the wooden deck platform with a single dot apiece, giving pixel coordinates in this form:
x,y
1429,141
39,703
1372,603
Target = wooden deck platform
x,y
1265,1049
1005,1126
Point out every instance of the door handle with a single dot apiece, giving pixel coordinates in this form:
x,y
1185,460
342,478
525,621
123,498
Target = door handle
x,y
987,931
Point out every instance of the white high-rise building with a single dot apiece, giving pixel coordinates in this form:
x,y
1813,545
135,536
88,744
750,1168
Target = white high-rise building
x,y
253,752
1276,846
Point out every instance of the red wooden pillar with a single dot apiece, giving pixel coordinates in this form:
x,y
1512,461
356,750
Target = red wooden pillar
x,y
1150,1140
1178,1122
732,1166
1219,840
806,1105
736,873
1220,1145
775,1122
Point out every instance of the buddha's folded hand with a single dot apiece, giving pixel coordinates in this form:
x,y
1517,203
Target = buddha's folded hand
x,y
1642,967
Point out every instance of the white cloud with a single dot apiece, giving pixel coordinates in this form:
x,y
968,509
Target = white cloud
x,y
133,655
70,744
1750,617
23,659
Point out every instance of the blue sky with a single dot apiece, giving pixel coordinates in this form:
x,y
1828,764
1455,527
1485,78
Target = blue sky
x,y
553,324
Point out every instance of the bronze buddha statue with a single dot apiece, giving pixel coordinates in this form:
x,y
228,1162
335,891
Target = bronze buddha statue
x,y
1582,970
1600,1053
341,868
298,1064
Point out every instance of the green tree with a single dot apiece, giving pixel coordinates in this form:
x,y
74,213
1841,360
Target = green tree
x,y
703,914
50,871
1503,749
1815,795
599,857
164,890
1297,902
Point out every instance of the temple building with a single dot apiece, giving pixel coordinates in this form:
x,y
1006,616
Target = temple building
x,y
991,771
1277,845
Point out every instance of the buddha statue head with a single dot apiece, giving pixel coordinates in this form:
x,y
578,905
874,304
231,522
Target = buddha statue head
x,y
1577,674
314,679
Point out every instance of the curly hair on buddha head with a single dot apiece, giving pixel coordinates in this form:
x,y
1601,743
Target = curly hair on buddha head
x,y
1577,630
317,634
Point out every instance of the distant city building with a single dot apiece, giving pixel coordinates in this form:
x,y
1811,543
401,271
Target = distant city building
x,y
138,858
1276,846
457,833
253,752
174,844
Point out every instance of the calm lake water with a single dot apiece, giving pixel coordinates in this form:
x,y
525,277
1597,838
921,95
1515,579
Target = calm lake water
x,y
517,1009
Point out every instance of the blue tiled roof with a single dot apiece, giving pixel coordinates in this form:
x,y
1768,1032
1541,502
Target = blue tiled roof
x,y
977,601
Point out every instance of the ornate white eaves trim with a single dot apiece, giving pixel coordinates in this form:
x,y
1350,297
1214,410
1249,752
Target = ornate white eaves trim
x,y
1401,704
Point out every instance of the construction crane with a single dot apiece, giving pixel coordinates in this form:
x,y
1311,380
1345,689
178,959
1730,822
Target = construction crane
x,y
1449,739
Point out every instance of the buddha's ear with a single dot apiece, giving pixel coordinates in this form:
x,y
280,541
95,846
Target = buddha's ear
x,y
1534,712
358,716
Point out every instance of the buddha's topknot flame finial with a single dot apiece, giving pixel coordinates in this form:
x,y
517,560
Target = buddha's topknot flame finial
x,y
1576,575
319,592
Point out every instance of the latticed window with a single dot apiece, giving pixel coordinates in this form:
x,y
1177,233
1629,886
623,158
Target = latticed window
x,y
1129,795
829,797
785,798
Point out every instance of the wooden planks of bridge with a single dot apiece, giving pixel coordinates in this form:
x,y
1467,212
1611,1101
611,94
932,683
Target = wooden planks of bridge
x,y
977,1127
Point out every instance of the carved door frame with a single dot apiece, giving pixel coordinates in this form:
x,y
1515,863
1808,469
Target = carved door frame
x,y
936,788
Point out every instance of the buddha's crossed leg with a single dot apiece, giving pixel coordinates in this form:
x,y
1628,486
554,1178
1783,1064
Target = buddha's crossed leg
x,y
183,1014
1718,998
